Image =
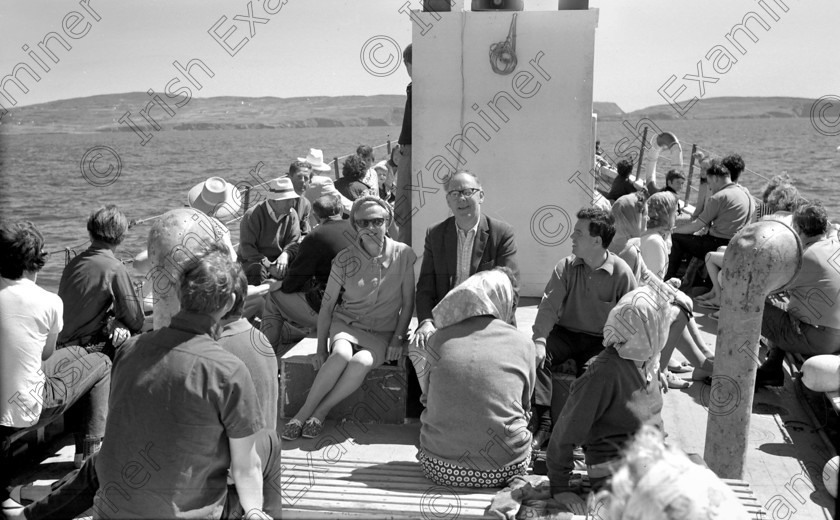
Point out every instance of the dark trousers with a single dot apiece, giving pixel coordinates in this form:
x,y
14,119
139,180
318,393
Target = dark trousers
x,y
75,494
77,385
688,246
562,345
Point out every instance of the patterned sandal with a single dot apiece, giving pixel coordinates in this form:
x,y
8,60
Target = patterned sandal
x,y
312,428
292,430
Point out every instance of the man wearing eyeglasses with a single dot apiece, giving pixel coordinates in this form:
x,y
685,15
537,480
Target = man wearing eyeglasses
x,y
459,247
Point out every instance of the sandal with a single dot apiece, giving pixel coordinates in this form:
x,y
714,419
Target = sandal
x,y
292,430
682,368
715,315
709,305
676,383
704,297
312,428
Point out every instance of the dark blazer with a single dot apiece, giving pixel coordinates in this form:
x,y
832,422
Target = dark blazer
x,y
494,246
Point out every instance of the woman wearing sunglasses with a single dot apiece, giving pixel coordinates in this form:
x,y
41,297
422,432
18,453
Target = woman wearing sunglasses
x,y
364,316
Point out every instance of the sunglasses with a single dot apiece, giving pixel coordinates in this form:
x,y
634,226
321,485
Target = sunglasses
x,y
363,223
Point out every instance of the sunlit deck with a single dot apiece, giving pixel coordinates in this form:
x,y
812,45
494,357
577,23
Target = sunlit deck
x,y
354,468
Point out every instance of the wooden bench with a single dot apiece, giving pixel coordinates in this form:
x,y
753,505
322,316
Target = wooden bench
x,y
18,442
316,488
381,398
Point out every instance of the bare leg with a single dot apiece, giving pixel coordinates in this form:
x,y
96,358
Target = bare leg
x,y
351,379
328,377
714,262
681,337
698,339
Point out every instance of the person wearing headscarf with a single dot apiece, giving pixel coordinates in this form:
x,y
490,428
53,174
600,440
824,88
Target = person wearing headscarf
x,y
617,394
630,213
658,482
477,387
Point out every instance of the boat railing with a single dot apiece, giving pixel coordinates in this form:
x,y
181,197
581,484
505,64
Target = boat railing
x,y
245,192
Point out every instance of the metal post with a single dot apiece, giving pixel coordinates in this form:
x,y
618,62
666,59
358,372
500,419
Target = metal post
x,y
246,199
762,258
389,148
690,172
335,163
642,155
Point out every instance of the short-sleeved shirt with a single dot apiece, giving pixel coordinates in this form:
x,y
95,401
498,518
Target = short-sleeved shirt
x,y
372,285
815,292
727,211
91,284
30,320
579,298
247,343
176,399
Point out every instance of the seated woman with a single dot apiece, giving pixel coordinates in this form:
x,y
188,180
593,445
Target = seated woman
x,y
480,377
629,212
657,482
617,394
364,315
778,204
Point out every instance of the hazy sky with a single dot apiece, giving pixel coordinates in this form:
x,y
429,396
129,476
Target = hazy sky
x,y
313,47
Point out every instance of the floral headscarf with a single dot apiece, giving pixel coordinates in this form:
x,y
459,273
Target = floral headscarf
x,y
638,327
486,292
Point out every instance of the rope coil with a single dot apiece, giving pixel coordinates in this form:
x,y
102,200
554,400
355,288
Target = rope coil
x,y
503,54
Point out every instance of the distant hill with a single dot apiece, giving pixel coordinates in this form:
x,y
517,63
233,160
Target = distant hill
x,y
732,108
102,113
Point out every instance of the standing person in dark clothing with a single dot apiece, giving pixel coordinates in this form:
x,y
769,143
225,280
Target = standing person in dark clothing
x,y
95,285
402,205
622,185
291,312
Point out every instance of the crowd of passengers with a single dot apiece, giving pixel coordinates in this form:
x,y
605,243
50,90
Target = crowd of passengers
x,y
180,422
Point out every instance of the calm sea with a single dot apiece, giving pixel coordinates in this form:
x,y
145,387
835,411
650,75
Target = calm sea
x,y
42,181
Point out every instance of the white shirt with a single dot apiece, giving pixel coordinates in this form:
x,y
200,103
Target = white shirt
x,y
30,320
466,242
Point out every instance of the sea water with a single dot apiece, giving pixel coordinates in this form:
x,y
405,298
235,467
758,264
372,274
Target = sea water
x,y
42,180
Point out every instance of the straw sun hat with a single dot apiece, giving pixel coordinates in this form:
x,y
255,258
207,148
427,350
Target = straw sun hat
x,y
215,197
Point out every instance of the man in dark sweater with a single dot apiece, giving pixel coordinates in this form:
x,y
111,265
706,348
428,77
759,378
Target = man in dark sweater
x,y
95,286
291,311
